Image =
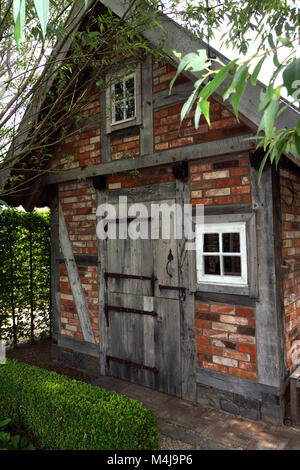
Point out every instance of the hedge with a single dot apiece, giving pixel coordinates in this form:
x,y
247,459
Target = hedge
x,y
67,414
24,275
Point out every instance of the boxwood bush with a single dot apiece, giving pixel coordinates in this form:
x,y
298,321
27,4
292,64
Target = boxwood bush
x,y
68,414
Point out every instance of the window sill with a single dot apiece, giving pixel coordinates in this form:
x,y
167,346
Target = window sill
x,y
222,289
110,128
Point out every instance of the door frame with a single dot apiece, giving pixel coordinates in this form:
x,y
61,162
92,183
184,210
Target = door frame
x,y
180,191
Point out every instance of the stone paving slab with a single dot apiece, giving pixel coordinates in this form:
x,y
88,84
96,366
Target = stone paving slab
x,y
186,425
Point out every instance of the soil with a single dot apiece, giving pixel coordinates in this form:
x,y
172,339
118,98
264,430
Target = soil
x,y
39,354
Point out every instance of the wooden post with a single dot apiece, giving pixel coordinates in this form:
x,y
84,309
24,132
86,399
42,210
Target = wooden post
x,y
101,199
187,307
269,310
55,281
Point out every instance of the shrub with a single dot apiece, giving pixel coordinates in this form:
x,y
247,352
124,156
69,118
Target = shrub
x,y
24,275
68,414
9,441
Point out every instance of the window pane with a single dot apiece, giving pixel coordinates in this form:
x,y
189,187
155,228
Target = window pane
x,y
119,91
130,109
212,265
129,87
119,115
232,265
211,242
231,242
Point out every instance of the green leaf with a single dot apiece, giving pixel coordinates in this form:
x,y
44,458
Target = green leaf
x,y
238,95
5,422
263,101
219,78
262,165
235,80
158,23
188,105
15,442
291,78
193,61
269,118
298,127
197,115
42,9
256,71
204,106
297,143
19,19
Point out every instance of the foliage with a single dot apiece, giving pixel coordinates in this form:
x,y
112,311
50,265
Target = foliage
x,y
67,414
24,286
9,441
103,44
106,42
276,26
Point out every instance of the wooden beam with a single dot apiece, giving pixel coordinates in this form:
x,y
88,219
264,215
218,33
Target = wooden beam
x,y
74,280
233,299
231,146
105,137
186,306
179,93
55,277
268,307
78,345
102,198
146,130
233,384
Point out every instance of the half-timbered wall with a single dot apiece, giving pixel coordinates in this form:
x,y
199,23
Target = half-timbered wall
x,y
78,202
227,339
290,209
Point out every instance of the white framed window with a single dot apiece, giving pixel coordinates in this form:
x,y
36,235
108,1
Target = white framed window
x,y
123,99
221,253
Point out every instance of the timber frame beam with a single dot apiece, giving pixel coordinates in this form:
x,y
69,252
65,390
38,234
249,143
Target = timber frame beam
x,y
214,148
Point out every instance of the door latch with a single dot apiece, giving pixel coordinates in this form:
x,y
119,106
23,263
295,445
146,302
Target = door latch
x,y
170,258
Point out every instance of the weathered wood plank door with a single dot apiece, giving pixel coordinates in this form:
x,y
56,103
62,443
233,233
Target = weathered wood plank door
x,y
142,314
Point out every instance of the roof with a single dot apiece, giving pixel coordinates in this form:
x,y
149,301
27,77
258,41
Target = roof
x,y
173,36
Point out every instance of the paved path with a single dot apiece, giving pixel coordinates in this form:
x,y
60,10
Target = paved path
x,y
185,425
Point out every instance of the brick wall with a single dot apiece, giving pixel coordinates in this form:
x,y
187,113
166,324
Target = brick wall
x,y
125,147
222,181
225,339
290,209
168,133
78,201
162,75
78,150
70,325
141,177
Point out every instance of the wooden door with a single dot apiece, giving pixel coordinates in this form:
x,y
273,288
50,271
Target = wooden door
x,y
141,305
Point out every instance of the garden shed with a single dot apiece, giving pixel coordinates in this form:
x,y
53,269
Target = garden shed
x,y
217,325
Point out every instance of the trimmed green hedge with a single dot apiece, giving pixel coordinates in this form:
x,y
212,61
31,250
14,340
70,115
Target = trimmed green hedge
x,y
68,414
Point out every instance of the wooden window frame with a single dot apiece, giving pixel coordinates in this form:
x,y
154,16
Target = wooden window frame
x,y
251,288
112,125
220,229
